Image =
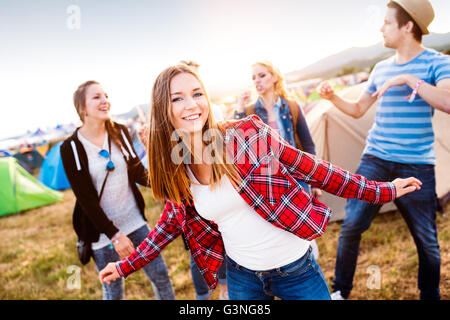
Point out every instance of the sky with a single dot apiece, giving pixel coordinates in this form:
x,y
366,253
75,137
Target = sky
x,y
49,47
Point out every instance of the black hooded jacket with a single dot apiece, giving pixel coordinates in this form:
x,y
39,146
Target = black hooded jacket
x,y
89,219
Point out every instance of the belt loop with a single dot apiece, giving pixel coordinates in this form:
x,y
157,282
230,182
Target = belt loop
x,y
234,264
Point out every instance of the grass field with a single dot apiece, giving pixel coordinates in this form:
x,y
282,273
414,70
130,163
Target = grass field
x,y
38,258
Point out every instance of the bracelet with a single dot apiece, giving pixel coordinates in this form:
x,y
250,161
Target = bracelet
x,y
114,239
413,94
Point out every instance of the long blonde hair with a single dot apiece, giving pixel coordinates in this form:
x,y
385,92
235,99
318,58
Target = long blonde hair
x,y
170,180
279,86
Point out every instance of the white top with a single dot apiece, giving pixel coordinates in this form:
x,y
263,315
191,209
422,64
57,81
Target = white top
x,y
251,241
117,200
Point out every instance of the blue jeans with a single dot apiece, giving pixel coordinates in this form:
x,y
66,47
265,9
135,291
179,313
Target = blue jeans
x,y
156,271
201,287
418,209
299,280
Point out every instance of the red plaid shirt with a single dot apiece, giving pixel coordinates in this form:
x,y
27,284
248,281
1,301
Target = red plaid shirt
x,y
269,168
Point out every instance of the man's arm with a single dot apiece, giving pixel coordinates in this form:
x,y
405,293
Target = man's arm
x,y
436,96
355,109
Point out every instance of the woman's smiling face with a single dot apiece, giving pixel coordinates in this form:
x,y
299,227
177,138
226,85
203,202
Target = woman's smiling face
x,y
189,107
97,104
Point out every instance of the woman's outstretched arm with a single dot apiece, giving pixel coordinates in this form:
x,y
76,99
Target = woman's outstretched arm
x,y
165,231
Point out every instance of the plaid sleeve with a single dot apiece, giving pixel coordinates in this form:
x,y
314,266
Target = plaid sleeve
x,y
322,174
165,231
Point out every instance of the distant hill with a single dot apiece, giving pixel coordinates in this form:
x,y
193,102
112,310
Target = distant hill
x,y
359,57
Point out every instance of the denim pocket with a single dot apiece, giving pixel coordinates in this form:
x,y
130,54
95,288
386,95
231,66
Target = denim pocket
x,y
424,172
297,267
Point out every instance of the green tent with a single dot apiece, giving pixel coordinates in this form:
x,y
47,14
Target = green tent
x,y
20,191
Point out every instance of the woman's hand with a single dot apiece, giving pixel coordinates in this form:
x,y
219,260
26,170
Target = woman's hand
x,y
143,134
123,246
405,186
108,273
316,192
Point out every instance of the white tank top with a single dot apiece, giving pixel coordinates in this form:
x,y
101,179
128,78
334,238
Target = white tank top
x,y
251,241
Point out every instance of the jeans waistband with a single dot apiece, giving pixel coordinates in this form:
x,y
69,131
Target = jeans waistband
x,y
237,266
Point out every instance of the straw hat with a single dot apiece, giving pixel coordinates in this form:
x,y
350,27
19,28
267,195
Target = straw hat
x,y
420,10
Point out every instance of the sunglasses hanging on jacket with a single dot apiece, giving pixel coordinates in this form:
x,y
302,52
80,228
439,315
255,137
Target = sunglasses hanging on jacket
x,y
107,155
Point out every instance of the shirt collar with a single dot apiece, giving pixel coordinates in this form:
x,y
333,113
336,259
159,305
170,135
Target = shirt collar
x,y
279,103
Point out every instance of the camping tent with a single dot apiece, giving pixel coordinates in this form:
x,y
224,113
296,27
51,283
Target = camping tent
x,y
31,157
21,191
25,166
43,148
52,172
340,139
5,153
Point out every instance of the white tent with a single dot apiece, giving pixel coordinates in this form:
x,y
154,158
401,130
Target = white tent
x,y
340,139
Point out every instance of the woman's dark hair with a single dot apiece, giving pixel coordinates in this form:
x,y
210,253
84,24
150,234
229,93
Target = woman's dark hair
x,y
79,101
403,18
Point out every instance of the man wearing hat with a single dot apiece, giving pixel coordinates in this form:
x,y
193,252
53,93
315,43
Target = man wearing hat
x,y
408,87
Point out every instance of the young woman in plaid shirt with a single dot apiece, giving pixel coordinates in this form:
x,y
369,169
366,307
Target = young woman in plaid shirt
x,y
235,187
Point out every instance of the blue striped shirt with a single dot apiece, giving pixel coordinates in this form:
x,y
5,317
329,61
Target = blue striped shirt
x,y
403,131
